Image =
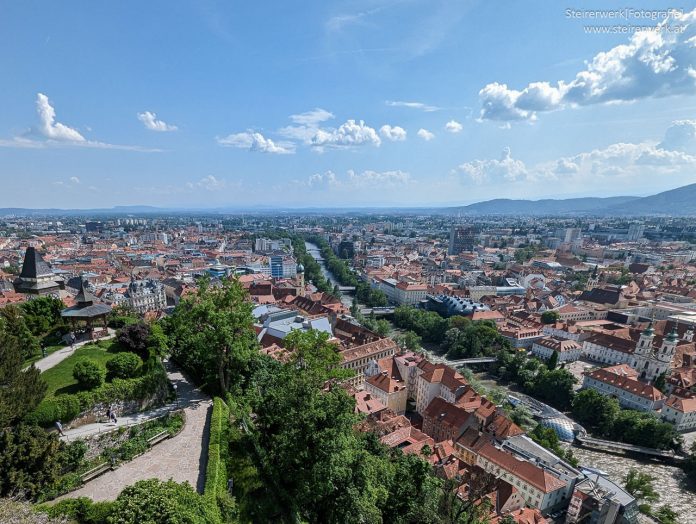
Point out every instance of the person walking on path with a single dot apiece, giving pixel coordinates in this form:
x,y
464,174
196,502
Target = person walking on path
x,y
108,414
113,418
59,427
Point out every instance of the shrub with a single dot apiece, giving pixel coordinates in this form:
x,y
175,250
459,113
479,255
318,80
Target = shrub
x,y
163,502
82,510
67,407
72,454
215,490
89,374
135,337
123,365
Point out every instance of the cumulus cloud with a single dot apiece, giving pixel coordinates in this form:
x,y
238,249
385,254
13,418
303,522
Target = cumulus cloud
x,y
52,134
354,180
453,126
656,64
680,136
74,180
376,179
506,168
151,122
48,126
425,134
393,133
323,179
633,162
351,133
412,105
255,141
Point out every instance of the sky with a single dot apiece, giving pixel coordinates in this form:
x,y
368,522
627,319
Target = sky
x,y
208,104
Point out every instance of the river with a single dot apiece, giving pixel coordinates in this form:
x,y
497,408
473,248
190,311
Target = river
x,y
669,481
314,250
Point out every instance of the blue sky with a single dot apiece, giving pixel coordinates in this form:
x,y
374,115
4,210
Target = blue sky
x,y
347,103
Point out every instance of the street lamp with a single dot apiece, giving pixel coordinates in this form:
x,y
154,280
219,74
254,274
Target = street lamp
x,y
176,394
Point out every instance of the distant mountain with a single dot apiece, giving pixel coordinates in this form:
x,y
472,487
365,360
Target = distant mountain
x,y
676,202
679,201
504,206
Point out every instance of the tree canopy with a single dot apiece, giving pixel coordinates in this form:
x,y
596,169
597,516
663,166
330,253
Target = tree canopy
x,y
212,336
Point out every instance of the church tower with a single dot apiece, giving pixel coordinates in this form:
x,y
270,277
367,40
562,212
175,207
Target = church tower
x,y
668,348
643,352
592,281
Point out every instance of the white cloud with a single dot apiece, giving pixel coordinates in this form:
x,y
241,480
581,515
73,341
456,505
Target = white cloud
x,y
153,124
376,179
631,162
313,117
453,126
351,133
323,179
354,180
393,133
680,136
74,180
52,134
412,105
506,168
209,183
254,141
425,134
307,125
48,126
656,63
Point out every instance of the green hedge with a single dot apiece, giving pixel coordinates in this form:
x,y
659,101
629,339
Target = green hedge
x,y
66,407
215,491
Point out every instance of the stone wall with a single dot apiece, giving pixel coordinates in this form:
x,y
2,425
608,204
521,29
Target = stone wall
x,y
121,407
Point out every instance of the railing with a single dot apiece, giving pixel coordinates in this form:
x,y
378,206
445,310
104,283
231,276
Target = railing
x,y
95,472
609,445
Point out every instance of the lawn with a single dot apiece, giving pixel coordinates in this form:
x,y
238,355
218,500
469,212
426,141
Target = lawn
x,y
59,378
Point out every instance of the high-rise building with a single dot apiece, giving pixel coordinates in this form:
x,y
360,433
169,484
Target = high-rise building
x,y
635,232
572,234
462,238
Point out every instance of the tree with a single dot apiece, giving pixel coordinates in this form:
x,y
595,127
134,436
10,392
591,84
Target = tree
x,y
640,486
163,502
16,327
135,338
661,382
666,515
212,335
595,411
549,317
554,387
88,373
553,361
21,390
409,340
29,460
123,365
42,314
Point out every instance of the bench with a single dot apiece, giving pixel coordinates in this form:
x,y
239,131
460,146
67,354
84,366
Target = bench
x,y
155,439
95,472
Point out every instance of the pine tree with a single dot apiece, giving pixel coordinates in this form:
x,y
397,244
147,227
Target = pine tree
x,y
553,361
20,390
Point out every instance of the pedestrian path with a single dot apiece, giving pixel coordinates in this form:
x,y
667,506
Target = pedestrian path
x,y
60,355
181,458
